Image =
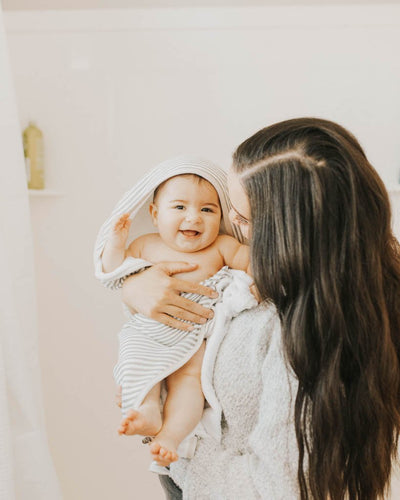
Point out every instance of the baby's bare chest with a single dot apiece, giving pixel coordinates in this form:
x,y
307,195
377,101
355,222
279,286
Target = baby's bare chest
x,y
208,260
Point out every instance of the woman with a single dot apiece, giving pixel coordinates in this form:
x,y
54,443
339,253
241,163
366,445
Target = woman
x,y
309,381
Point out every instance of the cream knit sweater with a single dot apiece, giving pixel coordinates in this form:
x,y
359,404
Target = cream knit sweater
x,y
257,456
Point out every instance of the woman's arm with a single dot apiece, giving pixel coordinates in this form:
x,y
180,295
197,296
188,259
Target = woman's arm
x,y
156,293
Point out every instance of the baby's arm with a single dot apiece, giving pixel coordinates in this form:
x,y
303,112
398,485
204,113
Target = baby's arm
x,y
235,255
114,251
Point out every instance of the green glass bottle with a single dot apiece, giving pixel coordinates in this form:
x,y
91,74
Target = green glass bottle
x,y
34,157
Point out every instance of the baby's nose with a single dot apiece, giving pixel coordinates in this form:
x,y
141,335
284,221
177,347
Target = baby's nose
x,y
193,216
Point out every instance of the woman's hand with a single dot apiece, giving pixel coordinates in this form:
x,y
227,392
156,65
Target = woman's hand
x,y
156,294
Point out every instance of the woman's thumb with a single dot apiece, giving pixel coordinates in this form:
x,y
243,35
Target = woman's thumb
x,y
172,268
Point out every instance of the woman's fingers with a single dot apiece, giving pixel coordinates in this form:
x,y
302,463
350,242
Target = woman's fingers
x,y
183,314
171,268
173,322
185,304
191,287
156,294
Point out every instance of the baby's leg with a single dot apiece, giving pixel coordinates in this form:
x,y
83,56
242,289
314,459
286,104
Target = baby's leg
x,y
182,409
146,420
118,396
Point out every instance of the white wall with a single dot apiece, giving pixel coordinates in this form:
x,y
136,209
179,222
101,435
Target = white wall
x,y
116,92
134,4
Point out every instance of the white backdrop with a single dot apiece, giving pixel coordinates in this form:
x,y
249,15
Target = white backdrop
x,y
116,92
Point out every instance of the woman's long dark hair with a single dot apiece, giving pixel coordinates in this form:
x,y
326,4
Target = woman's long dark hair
x,y
323,252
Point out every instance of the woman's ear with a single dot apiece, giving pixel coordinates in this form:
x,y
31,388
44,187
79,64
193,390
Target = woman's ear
x,y
153,213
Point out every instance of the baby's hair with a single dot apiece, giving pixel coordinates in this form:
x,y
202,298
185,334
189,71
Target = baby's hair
x,y
159,187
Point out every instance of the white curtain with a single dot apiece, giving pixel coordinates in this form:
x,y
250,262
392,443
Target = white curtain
x,y
26,468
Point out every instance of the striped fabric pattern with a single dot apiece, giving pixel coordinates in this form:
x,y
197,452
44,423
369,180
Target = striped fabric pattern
x,y
150,351
136,201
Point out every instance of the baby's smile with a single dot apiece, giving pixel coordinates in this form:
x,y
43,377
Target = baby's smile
x,y
189,233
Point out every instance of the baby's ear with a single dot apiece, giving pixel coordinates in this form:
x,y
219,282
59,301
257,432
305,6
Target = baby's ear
x,y
153,213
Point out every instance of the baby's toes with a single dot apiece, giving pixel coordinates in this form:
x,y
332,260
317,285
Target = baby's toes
x,y
122,427
155,448
172,456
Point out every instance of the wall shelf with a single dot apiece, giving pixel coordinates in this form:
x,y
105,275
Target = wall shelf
x,y
44,193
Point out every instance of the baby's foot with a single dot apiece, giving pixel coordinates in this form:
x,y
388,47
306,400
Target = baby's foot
x,y
146,421
163,450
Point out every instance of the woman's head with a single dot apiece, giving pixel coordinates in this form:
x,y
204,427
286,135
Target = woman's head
x,y
314,199
323,252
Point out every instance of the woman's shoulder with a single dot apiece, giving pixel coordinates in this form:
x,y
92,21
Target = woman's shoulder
x,y
262,319
252,332
260,329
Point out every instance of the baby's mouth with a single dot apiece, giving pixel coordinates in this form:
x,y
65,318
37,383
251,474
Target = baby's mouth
x,y
189,233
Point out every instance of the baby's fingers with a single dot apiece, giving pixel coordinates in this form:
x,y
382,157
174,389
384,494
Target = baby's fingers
x,y
122,223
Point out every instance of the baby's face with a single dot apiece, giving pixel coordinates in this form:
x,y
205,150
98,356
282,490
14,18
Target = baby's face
x,y
187,213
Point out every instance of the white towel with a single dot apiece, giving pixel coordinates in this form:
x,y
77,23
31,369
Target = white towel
x,y
236,298
150,351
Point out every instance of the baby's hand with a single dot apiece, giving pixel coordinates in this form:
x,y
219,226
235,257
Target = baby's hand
x,y
120,230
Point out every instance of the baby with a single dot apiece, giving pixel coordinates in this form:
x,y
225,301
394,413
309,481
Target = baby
x,y
186,212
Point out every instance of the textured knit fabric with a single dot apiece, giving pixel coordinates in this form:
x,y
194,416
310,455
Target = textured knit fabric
x,y
257,455
136,202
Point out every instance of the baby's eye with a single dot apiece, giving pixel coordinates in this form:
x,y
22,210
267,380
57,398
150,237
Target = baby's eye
x,y
179,207
206,209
